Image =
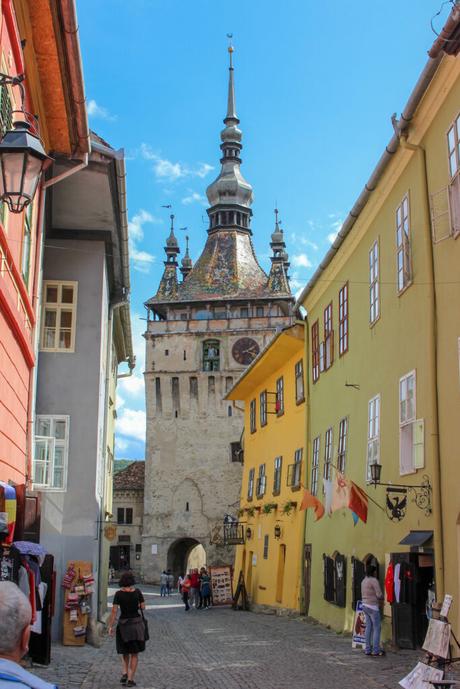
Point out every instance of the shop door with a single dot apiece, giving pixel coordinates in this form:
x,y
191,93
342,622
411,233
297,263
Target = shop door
x,y
115,557
307,578
280,577
409,612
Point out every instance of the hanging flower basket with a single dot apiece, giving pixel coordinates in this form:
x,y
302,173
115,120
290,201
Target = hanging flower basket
x,y
289,506
269,507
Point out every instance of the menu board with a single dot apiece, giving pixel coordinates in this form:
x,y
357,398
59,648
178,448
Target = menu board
x,y
221,585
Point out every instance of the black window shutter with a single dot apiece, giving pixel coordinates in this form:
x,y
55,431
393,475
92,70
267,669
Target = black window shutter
x,y
328,578
358,573
340,575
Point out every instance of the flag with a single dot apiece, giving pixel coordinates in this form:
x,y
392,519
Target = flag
x,y
340,492
355,518
310,500
8,510
358,501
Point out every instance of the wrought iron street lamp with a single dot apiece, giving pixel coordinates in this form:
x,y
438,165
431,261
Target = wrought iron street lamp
x,y
396,502
22,157
248,533
277,531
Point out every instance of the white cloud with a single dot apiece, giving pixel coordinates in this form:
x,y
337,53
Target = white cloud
x,y
194,197
141,260
120,401
134,384
133,387
167,171
98,112
331,237
301,261
121,445
131,424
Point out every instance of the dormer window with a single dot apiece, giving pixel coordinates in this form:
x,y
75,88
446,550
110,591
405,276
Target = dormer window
x,y
211,355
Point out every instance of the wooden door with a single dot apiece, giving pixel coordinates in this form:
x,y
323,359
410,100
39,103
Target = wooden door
x,y
307,578
280,575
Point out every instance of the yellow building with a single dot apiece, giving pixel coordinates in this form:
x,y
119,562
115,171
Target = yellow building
x,y
383,328
272,390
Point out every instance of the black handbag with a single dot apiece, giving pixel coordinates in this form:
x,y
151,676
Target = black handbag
x,y
146,626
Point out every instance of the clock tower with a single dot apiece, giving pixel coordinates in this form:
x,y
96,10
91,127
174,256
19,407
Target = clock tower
x,y
202,331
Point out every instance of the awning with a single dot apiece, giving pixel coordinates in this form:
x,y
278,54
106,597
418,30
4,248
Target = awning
x,y
416,538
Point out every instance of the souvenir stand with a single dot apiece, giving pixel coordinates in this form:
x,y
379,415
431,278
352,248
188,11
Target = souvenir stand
x,y
26,563
433,670
78,585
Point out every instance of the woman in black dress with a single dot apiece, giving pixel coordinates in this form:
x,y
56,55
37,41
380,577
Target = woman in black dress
x,y
130,634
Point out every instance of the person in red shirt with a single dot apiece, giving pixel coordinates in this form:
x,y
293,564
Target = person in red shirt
x,y
185,590
195,589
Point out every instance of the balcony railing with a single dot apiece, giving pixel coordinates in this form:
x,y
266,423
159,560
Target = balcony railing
x,y
233,534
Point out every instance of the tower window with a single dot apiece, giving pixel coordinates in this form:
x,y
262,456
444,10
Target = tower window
x,y
211,355
238,218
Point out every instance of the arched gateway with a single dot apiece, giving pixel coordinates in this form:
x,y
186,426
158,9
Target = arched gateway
x,y
181,551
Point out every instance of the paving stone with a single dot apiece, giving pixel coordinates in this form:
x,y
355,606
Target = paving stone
x,y
223,649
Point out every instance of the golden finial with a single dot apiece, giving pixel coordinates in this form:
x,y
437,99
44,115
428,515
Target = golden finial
x,y
231,49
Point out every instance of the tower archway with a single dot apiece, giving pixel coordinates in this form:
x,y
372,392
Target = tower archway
x,y
183,550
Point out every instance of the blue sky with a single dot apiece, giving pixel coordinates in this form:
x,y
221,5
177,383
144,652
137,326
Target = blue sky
x,y
316,84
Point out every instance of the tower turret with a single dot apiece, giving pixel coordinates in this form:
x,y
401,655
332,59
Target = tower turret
x,y
278,280
168,283
186,263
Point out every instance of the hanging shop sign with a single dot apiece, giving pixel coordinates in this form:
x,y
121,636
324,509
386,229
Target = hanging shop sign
x,y
110,532
221,584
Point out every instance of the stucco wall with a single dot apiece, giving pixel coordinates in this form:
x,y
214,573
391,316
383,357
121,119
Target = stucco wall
x,y
69,383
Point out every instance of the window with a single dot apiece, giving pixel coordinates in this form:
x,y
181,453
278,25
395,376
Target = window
x,y
403,252
328,337
6,111
236,452
59,316
244,312
295,470
125,515
280,396
263,408
342,451
251,483
211,355
411,431
373,434
374,285
358,574
261,482
327,472
252,416
315,350
27,243
277,475
299,387
259,311
335,580
51,452
343,320
266,547
453,144
315,467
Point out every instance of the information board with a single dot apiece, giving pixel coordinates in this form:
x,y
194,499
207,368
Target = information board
x,y
359,627
221,585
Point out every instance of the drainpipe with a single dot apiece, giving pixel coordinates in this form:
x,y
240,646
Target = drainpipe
x,y
307,443
433,357
112,308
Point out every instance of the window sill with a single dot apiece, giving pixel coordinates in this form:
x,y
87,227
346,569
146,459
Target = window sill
x,y
57,351
263,424
276,492
374,322
48,489
301,400
250,498
295,488
280,413
341,354
405,288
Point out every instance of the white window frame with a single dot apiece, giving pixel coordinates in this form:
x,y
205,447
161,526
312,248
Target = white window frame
x,y
252,416
277,471
407,421
453,148
251,477
453,160
263,408
261,486
52,443
315,466
374,282
328,454
58,307
373,434
299,382
342,444
404,273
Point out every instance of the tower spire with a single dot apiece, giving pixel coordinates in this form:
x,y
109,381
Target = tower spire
x,y
186,263
231,107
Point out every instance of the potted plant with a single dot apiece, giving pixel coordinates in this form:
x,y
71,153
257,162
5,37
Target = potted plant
x,y
289,506
250,511
269,507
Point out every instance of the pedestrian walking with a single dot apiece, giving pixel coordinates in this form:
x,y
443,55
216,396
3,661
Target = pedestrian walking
x,y
170,582
195,589
185,589
131,631
205,581
163,583
15,619
372,599
180,581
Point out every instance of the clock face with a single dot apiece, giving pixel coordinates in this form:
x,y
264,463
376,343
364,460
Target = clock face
x,y
245,350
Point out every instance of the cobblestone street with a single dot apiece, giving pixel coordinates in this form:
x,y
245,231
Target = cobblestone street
x,y
223,649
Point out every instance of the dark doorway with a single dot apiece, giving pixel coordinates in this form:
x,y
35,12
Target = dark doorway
x,y
307,578
120,557
409,610
178,555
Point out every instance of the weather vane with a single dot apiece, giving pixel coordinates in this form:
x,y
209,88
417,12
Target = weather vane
x,y
230,48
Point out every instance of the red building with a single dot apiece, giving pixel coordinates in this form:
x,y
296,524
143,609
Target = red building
x,y
39,39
